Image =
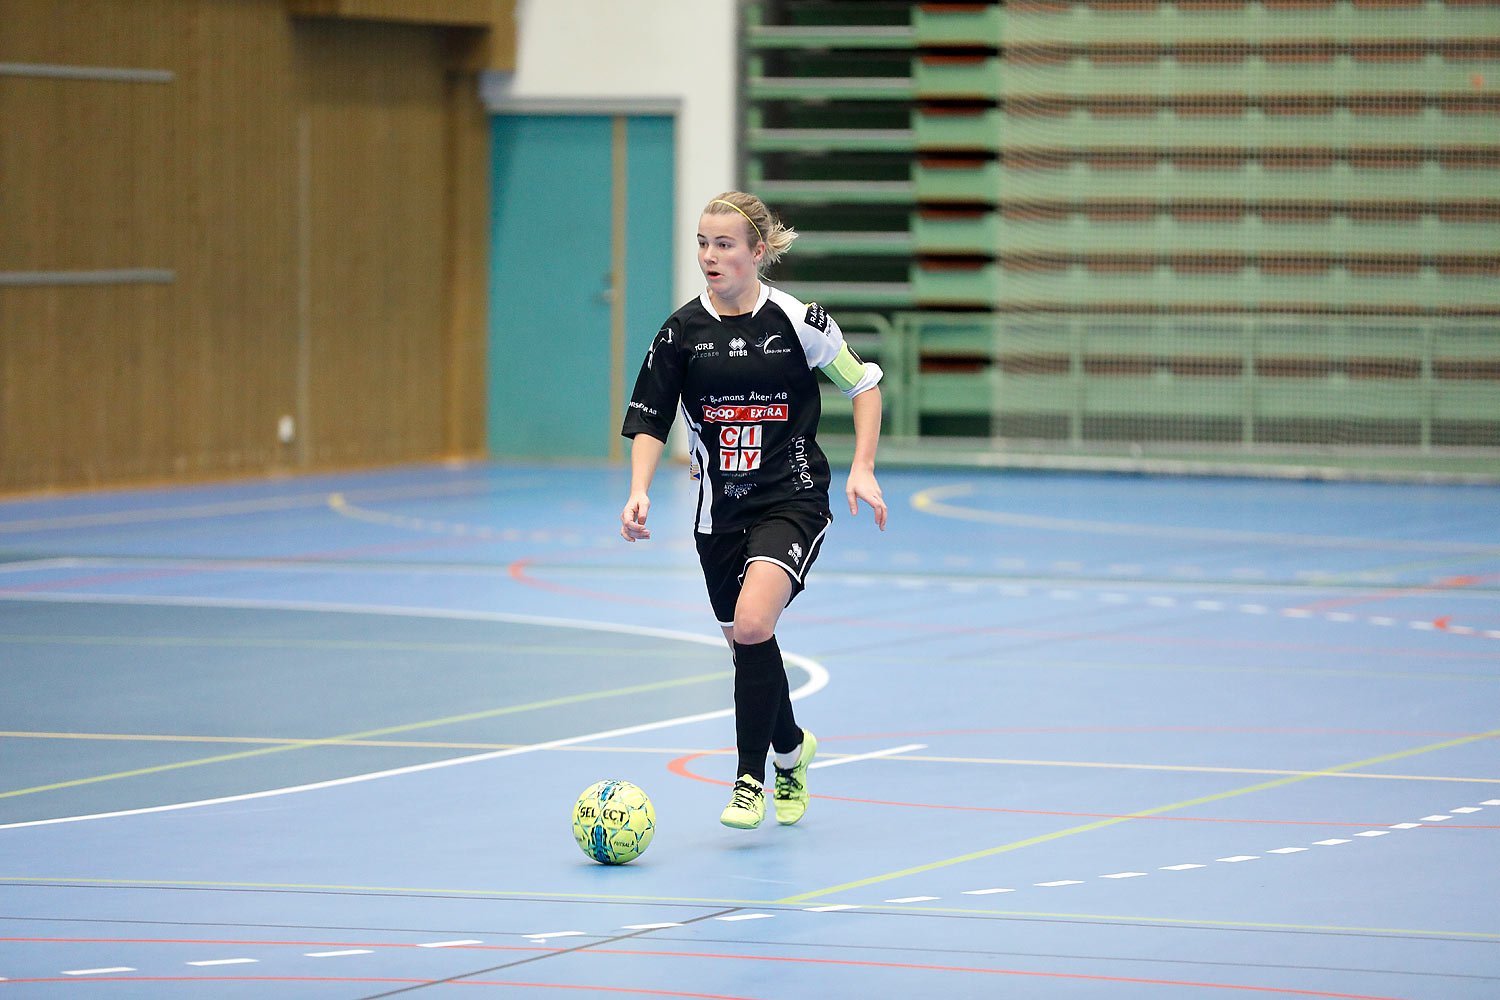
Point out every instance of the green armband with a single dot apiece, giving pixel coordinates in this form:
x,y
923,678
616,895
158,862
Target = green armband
x,y
846,369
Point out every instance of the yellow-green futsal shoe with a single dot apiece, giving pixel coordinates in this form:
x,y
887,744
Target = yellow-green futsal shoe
x,y
791,783
747,805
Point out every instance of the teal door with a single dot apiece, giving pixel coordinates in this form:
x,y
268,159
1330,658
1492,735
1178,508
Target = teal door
x,y
580,276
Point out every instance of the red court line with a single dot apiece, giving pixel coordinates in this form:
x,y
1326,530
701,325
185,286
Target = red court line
x,y
385,981
679,768
835,962
518,573
1451,583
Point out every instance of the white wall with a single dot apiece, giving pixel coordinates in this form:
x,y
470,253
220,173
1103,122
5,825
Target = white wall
x,y
678,53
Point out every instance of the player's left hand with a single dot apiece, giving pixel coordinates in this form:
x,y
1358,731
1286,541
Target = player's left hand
x,y
862,486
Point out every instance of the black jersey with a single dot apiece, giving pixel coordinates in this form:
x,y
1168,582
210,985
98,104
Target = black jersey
x,y
750,398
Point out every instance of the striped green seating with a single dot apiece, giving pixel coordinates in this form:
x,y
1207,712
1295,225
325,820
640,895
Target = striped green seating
x,y
854,244
1078,232
827,88
1072,286
828,37
993,78
976,181
997,130
853,294
1205,378
1020,23
827,140
852,192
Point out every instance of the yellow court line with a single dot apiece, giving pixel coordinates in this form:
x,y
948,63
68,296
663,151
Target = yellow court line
x,y
930,501
251,642
710,901
919,758
335,740
282,741
1101,824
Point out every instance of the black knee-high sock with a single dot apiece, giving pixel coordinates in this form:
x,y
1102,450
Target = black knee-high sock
x,y
761,702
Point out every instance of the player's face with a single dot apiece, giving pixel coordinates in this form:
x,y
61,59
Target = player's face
x,y
727,255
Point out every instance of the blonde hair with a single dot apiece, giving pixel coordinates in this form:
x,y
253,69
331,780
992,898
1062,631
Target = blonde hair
x,y
765,226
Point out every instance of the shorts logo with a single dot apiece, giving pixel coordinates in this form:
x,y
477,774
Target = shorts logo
x,y
739,447
795,552
744,414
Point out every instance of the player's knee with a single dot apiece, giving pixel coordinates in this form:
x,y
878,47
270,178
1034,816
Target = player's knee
x,y
750,629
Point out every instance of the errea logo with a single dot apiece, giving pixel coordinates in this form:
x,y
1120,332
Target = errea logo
x,y
737,348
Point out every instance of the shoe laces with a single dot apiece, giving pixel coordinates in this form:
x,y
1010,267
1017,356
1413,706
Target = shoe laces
x,y
787,784
745,795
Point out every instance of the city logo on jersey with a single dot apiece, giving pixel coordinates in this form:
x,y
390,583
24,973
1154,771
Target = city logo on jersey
x,y
739,447
737,348
744,413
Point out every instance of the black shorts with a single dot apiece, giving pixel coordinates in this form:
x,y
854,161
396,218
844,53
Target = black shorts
x,y
788,536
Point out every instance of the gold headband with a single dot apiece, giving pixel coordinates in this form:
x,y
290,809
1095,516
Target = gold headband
x,y
721,201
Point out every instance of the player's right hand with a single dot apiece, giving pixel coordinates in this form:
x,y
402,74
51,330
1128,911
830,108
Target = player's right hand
x,y
633,518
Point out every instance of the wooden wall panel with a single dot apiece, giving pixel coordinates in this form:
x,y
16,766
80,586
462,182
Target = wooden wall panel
x,y
297,180
375,155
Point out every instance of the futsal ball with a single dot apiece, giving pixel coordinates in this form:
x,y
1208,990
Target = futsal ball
x,y
613,822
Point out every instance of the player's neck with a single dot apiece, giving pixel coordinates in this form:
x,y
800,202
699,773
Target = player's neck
x,y
736,305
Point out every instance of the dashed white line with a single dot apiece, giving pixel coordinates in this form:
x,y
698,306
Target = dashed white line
x,y
1066,881
1435,819
98,972
650,927
1287,850
745,916
1330,842
338,954
447,944
1373,833
912,899
1466,809
549,934
1181,868
1405,826
225,961
985,892
1238,858
1490,802
831,907
1124,875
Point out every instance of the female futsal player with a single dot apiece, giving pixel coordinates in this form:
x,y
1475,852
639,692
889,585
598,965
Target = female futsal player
x,y
738,360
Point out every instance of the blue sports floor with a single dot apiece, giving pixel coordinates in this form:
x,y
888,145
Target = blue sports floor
x,y
1082,736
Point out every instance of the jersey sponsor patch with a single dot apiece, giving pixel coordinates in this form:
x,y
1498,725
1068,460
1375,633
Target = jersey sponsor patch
x,y
744,414
817,317
739,447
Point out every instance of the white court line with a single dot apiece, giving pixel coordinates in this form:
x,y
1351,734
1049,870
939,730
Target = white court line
x,y
99,972
817,680
225,961
852,757
339,954
448,944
